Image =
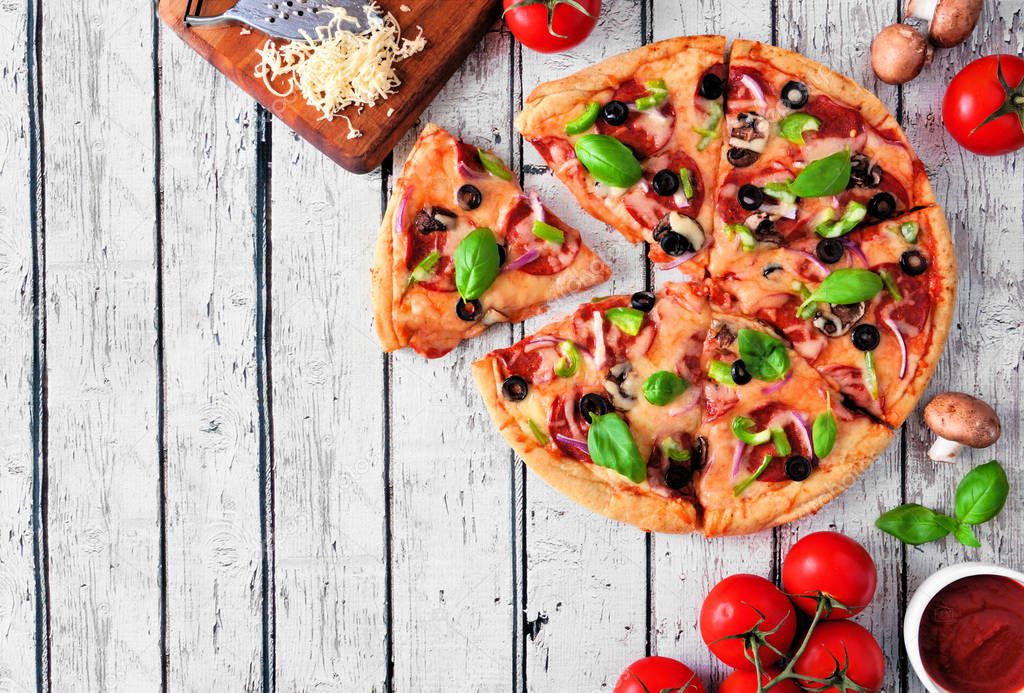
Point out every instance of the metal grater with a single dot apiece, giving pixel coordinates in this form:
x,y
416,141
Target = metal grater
x,y
285,19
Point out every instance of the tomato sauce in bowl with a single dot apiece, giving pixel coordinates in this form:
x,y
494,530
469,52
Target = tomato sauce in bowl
x,y
971,635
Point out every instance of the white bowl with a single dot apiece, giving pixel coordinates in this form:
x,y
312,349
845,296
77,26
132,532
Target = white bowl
x,y
925,593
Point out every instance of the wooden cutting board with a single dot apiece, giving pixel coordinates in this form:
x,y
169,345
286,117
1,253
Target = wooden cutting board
x,y
450,37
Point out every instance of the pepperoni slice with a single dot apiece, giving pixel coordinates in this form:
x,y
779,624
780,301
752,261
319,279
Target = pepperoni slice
x,y
775,415
648,207
910,313
729,208
518,360
850,381
565,420
645,132
419,246
469,156
520,239
740,91
618,345
802,334
719,400
836,120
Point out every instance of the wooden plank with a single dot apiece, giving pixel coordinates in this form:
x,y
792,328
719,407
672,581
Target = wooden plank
x,y
207,174
586,594
17,577
329,409
686,567
452,560
97,72
984,202
450,38
839,34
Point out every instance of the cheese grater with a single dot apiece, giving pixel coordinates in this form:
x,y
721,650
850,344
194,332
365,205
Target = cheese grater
x,y
287,19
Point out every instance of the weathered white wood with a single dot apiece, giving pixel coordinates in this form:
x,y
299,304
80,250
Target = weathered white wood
x,y
207,172
101,346
328,396
586,576
450,471
17,582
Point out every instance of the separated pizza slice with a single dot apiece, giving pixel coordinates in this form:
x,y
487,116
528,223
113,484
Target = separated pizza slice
x,y
808,152
780,443
462,247
636,139
604,405
870,310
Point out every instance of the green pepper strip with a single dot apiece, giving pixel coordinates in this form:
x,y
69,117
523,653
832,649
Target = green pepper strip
x,y
781,442
570,361
547,232
671,450
425,269
709,130
806,312
909,231
747,239
584,121
721,373
870,376
658,91
854,214
538,433
743,485
780,191
890,284
743,429
686,181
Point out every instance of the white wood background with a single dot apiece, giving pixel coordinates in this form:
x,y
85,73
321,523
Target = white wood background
x,y
212,480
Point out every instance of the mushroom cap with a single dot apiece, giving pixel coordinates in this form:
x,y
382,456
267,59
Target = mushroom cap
x,y
950,22
962,418
899,53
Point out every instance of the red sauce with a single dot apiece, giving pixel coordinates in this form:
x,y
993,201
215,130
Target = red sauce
x,y
972,635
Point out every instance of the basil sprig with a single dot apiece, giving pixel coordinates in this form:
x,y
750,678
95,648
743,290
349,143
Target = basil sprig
x,y
793,127
663,387
765,356
846,286
609,161
824,431
477,263
980,497
612,445
823,177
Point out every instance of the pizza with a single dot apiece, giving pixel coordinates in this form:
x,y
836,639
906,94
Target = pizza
x,y
658,109
461,247
817,302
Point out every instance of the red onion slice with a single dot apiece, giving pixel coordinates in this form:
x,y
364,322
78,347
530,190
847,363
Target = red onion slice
x,y
399,220
755,89
536,207
737,457
573,443
904,357
672,264
522,261
599,347
814,260
855,249
775,387
802,426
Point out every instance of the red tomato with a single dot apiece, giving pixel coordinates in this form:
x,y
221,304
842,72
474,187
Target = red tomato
x,y
735,606
833,564
853,647
741,681
975,94
550,26
656,674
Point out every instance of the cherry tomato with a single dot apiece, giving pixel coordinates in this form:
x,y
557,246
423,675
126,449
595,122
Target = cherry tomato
x,y
833,564
975,94
853,647
550,26
736,605
741,681
656,674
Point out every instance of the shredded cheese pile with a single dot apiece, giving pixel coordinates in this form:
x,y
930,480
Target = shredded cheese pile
x,y
338,68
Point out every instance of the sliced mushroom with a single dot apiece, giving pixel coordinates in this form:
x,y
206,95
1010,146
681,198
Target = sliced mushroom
x,y
958,419
434,219
835,321
623,385
722,333
762,226
950,22
899,53
863,173
688,228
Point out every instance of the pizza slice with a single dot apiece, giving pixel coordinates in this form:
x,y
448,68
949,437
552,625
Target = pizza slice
x,y
809,152
887,295
462,247
636,139
780,443
605,404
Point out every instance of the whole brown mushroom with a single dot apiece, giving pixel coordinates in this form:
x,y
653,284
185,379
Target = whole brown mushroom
x,y
899,53
958,419
950,22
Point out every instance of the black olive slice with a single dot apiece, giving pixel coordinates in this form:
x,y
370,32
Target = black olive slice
x,y
642,301
700,453
426,221
593,404
675,244
502,255
798,468
470,311
865,337
740,374
750,196
770,269
515,388
794,94
711,86
882,205
665,182
741,158
615,113
913,262
469,197
863,174
677,476
829,250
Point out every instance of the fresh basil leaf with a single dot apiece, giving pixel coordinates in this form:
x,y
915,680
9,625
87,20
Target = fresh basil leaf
x,y
721,373
823,432
823,177
477,263
538,433
915,524
965,535
570,361
793,127
609,161
982,493
494,165
547,232
743,485
628,320
846,286
663,387
612,445
745,429
584,121
765,356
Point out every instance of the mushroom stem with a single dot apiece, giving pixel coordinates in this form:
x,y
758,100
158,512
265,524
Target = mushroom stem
x,y
943,450
922,9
